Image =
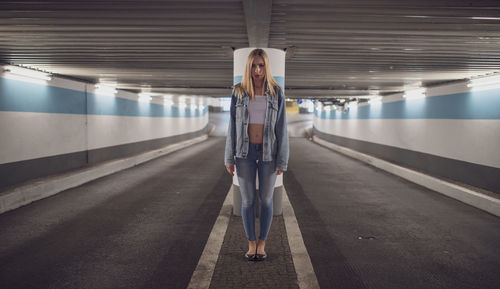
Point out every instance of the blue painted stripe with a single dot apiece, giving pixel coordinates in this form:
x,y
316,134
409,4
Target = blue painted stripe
x,y
279,79
23,96
469,105
237,79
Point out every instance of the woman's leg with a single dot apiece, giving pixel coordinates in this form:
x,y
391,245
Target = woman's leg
x,y
246,170
267,179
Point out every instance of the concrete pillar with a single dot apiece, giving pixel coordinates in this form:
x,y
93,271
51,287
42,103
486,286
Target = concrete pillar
x,y
277,62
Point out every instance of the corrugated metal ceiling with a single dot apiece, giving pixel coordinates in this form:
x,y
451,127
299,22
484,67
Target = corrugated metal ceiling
x,y
337,48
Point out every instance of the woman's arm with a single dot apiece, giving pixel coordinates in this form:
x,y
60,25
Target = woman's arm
x,y
231,135
281,134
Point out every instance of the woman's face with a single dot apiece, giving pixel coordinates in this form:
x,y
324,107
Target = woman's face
x,y
258,69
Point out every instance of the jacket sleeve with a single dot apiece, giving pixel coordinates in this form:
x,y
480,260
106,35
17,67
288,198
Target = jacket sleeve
x,y
231,134
281,131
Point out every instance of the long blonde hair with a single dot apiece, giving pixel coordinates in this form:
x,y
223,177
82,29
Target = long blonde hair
x,y
247,84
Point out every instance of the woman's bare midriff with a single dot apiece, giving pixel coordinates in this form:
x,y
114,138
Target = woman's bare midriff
x,y
255,132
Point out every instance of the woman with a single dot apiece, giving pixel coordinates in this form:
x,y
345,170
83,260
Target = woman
x,y
257,141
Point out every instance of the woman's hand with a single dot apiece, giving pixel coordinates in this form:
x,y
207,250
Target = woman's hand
x,y
279,172
230,169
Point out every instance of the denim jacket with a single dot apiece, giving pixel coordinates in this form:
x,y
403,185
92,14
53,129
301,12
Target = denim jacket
x,y
275,138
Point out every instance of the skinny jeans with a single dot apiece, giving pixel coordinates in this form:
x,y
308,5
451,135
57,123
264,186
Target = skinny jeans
x,y
247,169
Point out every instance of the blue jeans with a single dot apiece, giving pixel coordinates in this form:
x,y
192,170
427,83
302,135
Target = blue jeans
x,y
246,169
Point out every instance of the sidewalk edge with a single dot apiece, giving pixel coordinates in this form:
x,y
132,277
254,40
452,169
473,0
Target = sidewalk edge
x,y
465,195
26,194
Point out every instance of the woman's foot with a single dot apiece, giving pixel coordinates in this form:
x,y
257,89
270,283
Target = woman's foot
x,y
261,252
252,248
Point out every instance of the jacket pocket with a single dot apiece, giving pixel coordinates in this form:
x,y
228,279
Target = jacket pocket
x,y
240,113
273,112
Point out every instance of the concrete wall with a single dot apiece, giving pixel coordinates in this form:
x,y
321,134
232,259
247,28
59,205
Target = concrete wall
x,y
452,133
63,125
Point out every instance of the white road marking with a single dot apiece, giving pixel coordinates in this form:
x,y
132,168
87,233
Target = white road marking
x,y
204,271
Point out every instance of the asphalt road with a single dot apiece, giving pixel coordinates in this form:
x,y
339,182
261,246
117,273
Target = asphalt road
x,y
365,228
144,227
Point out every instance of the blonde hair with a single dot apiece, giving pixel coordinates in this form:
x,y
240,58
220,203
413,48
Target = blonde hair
x,y
247,84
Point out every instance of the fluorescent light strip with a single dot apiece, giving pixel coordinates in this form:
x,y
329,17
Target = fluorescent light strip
x,y
145,96
25,72
106,89
485,81
377,99
415,93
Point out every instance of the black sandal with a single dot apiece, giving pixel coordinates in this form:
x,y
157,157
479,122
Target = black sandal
x,y
250,257
260,257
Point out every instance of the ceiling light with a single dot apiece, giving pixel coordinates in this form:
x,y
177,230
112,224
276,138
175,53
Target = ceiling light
x,y
106,88
486,18
26,72
415,93
377,99
145,96
489,82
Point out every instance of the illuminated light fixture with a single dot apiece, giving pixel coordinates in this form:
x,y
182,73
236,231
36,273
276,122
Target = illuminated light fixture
x,y
309,106
415,93
485,82
377,99
486,18
145,96
106,88
27,73
167,99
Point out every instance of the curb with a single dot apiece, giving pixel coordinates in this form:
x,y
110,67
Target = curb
x,y
46,187
470,197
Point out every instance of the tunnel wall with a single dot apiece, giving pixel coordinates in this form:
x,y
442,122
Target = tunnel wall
x,y
453,133
56,128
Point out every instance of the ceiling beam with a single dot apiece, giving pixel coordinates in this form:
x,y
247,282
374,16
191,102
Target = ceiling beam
x,y
258,20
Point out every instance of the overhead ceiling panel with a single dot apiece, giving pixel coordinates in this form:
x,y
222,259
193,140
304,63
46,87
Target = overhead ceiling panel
x,y
335,48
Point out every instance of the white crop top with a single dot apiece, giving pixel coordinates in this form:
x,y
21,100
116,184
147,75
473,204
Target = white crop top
x,y
257,109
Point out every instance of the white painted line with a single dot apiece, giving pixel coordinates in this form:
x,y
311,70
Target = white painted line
x,y
46,187
301,260
202,275
465,195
